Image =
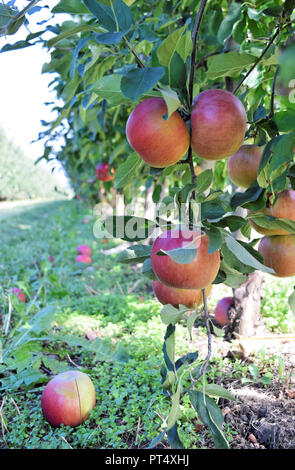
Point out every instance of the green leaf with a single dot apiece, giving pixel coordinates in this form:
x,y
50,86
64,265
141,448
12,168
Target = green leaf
x,y
116,18
127,171
171,98
287,65
169,347
170,315
210,415
109,88
285,120
185,46
166,50
134,254
244,256
74,7
229,64
215,238
234,15
181,255
174,439
147,270
251,194
139,81
174,412
217,391
204,180
129,228
270,222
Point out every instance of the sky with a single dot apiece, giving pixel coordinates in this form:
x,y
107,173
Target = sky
x,y
24,90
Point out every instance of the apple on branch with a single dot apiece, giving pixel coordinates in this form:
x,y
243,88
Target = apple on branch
x,y
218,122
160,142
197,274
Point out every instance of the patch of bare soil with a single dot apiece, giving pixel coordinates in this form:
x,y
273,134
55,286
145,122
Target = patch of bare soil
x,y
263,417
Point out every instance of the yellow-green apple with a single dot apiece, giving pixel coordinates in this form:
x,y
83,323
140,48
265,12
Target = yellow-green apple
x,y
159,142
83,259
218,123
174,296
196,274
220,313
279,254
243,165
283,208
68,398
20,294
84,250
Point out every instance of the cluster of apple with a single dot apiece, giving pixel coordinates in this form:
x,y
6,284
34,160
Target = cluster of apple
x,y
183,283
218,126
84,254
68,399
278,245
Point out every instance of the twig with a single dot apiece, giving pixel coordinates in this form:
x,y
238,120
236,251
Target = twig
x,y
209,336
138,60
271,114
194,51
279,29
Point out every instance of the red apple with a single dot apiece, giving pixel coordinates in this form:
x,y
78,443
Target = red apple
x,y
218,122
68,398
51,258
157,141
83,259
174,296
283,208
20,294
102,172
220,313
194,275
84,250
243,165
279,254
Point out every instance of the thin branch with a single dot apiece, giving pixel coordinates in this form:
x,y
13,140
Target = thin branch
x,y
138,60
209,336
194,51
272,101
279,29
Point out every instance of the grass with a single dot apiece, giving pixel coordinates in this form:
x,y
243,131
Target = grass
x,y
101,318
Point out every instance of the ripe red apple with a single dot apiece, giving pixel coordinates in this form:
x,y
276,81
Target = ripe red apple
x,y
84,250
68,398
51,258
220,313
20,294
279,254
243,165
102,172
194,275
218,122
83,259
283,208
157,141
174,296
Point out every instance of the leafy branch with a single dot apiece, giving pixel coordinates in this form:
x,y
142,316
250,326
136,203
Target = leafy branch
x,y
15,22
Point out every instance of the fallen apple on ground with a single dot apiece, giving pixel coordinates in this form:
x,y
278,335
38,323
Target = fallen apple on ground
x,y
68,398
84,250
20,294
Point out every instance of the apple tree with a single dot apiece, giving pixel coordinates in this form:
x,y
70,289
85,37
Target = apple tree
x,y
193,100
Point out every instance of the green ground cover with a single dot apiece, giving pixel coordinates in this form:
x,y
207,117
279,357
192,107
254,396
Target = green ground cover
x,y
101,318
